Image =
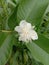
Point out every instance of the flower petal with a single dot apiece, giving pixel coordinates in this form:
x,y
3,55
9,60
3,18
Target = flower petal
x,y
34,35
18,29
23,22
26,31
29,26
21,38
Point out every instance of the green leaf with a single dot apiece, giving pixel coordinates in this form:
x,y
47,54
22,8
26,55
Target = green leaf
x,y
17,1
12,19
38,53
44,26
43,42
5,47
40,49
32,10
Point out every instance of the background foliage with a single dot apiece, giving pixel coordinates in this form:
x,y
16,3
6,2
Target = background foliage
x,y
13,52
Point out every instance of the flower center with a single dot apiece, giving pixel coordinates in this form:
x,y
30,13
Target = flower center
x,y
25,31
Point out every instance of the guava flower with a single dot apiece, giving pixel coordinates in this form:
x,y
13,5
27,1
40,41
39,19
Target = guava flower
x,y
26,31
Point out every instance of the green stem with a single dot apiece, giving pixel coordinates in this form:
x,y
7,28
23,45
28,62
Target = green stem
x,y
8,31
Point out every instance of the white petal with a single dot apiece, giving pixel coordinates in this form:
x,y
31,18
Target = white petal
x,y
26,31
34,35
21,38
18,29
23,22
29,26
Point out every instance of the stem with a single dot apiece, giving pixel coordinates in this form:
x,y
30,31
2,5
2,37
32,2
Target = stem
x,y
8,31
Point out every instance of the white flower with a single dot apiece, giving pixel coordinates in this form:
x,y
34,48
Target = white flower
x,y
26,31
